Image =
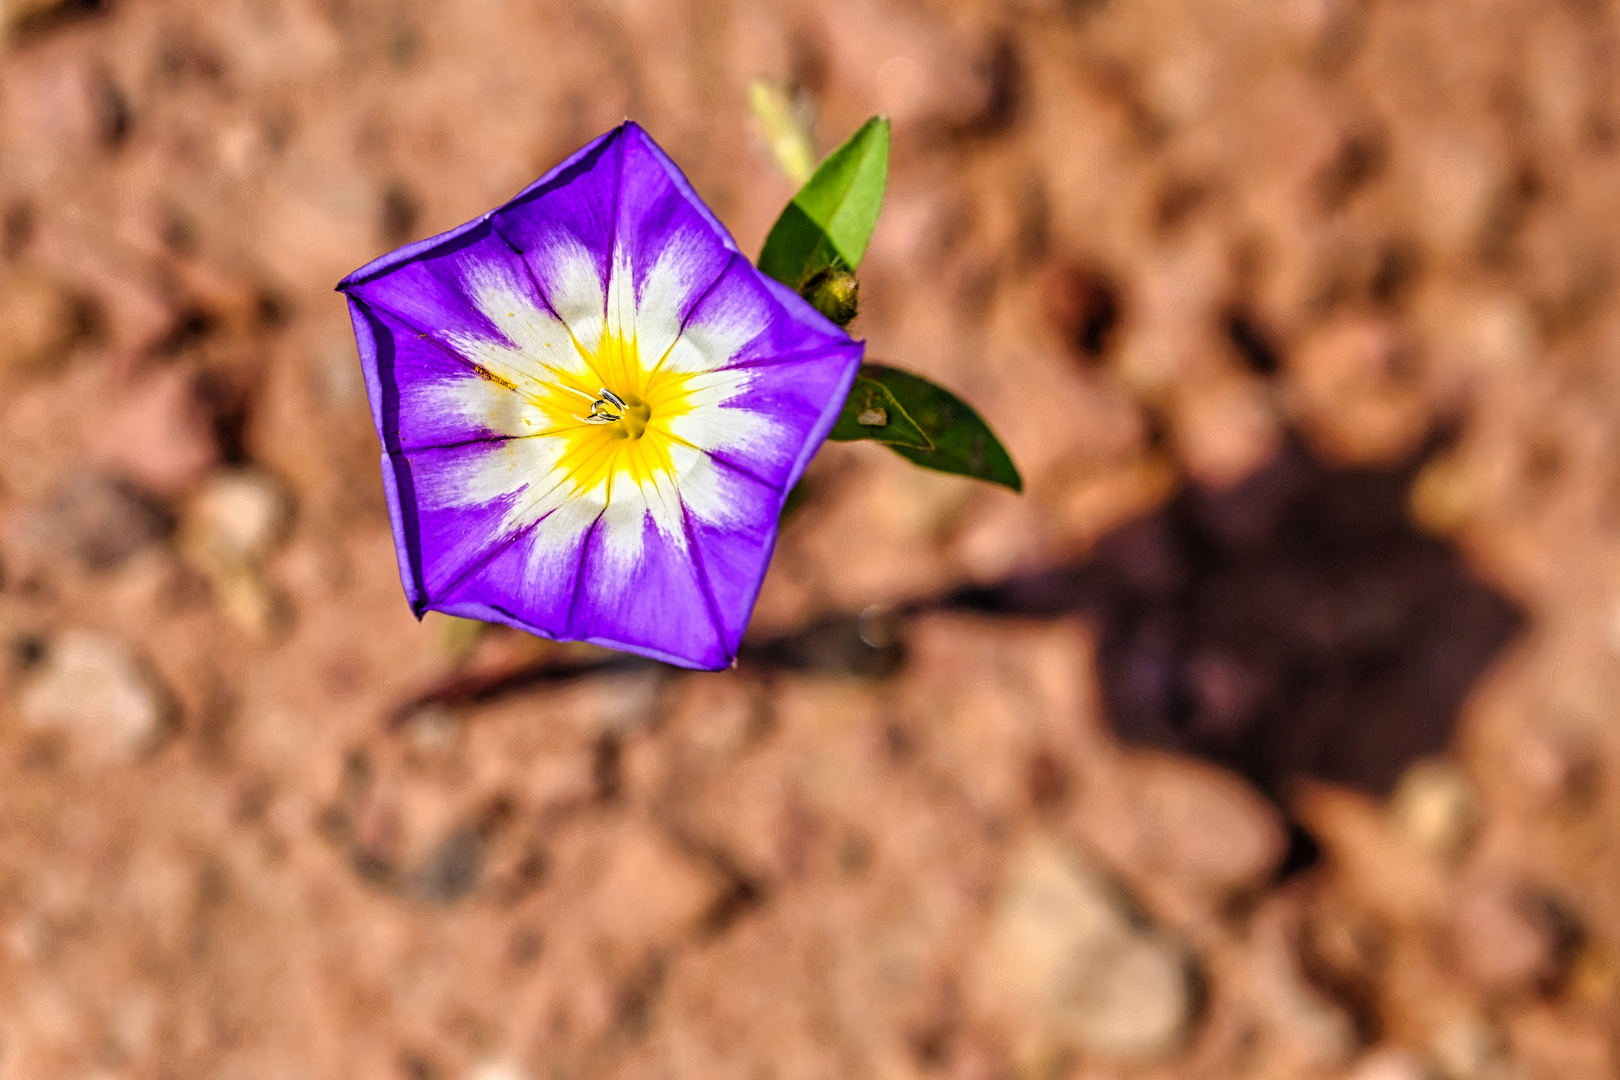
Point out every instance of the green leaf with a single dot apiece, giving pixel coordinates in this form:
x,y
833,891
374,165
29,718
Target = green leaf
x,y
963,443
830,220
872,412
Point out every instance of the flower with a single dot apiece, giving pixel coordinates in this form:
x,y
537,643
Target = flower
x,y
592,407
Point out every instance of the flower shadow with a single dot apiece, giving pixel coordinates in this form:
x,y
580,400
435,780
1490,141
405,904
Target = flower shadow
x,y
1294,625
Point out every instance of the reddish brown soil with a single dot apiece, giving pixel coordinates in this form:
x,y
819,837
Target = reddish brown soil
x,y
1290,678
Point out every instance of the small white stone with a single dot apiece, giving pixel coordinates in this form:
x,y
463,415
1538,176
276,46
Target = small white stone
x,y
249,601
227,531
430,728
1053,906
1389,1063
237,517
1465,1047
499,1069
1130,1004
94,686
1063,941
1499,331
1433,808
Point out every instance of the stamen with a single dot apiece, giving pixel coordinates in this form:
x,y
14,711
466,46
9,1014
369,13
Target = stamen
x,y
608,408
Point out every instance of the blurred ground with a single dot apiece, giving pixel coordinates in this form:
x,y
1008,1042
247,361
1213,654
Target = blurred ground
x,y
1269,734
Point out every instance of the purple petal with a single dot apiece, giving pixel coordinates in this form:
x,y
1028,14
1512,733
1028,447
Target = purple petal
x,y
403,363
731,554
658,606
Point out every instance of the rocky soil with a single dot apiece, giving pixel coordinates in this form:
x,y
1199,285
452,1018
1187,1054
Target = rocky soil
x,y
1268,734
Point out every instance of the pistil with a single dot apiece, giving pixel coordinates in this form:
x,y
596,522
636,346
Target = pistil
x,y
609,408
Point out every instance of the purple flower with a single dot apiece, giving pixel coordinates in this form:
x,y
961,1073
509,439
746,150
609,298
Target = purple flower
x,y
592,406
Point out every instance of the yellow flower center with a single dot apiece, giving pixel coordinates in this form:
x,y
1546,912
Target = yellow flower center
x,y
633,441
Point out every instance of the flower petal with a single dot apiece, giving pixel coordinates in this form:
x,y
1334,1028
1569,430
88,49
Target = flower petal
x,y
656,604
730,520
763,416
529,582
424,393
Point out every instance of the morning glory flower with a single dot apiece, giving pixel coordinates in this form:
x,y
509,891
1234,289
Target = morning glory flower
x,y
592,407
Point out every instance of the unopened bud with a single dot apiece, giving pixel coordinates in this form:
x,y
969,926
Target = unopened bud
x,y
835,293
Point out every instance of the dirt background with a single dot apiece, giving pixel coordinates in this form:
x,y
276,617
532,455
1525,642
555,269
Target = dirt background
x,y
1269,733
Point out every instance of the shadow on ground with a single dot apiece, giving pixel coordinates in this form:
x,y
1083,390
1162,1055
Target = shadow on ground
x,y
1294,625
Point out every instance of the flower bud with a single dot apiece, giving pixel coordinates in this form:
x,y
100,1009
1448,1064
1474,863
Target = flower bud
x,y
835,293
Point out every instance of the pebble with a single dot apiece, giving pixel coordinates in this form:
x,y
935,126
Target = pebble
x,y
95,686
55,108
238,517
1442,496
1053,904
430,728
450,872
227,530
1226,430
1311,1027
1131,1002
1063,938
100,520
1433,807
499,1069
1390,1063
1558,770
1355,390
1180,86
1468,331
1458,176
1392,877
1557,89
161,436
249,601
1205,826
39,323
1466,1047
1498,331
1500,941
